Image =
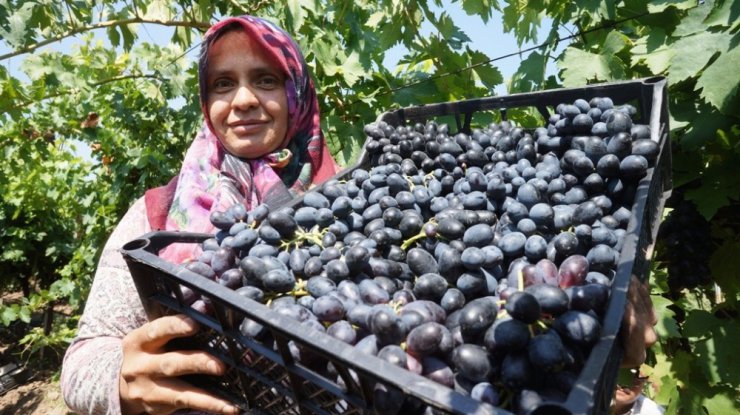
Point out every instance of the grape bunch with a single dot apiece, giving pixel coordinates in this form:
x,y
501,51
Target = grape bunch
x,y
685,245
481,261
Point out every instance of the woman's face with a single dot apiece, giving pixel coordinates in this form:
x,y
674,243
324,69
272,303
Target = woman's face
x,y
247,103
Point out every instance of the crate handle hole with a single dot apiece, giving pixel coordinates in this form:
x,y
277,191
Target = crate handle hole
x,y
550,409
136,244
653,80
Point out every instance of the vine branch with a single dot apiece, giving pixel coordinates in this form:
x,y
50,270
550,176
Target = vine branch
x,y
102,25
91,84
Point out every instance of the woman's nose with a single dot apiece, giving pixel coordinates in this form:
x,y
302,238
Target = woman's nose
x,y
244,98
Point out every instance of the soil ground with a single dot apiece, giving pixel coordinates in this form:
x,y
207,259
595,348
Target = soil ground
x,y
40,396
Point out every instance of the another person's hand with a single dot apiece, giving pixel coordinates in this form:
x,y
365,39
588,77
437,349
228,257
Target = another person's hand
x,y
638,324
148,380
638,335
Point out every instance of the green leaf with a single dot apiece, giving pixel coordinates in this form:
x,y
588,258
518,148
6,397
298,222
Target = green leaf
x,y
522,19
352,69
599,9
24,314
657,6
295,14
450,32
127,32
719,82
653,51
158,10
374,20
699,324
723,402
725,13
725,263
614,43
482,8
695,52
717,354
712,195
9,314
580,67
666,326
391,33
62,287
17,22
530,75
694,20
487,74
701,118
667,373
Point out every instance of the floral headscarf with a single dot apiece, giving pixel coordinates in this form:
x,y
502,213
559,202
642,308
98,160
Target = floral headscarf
x,y
213,179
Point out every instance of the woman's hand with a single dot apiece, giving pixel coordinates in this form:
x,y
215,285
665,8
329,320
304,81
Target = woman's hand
x,y
638,335
148,380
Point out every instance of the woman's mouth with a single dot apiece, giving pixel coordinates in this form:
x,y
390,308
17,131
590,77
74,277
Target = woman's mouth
x,y
247,127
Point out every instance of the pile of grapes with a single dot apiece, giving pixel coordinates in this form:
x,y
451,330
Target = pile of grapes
x,y
685,245
481,261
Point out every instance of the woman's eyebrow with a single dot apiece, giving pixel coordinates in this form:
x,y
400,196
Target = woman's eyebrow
x,y
260,70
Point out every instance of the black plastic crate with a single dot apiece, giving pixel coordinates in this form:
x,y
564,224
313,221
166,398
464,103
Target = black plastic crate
x,y
264,378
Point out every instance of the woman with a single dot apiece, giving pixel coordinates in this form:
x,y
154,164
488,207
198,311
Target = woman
x,y
262,143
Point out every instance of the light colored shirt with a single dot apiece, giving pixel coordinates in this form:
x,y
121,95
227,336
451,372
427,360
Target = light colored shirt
x,y
92,364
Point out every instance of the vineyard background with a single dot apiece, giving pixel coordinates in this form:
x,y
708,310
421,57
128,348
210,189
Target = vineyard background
x,y
132,102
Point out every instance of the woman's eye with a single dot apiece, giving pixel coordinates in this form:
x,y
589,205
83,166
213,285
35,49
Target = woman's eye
x,y
269,82
222,84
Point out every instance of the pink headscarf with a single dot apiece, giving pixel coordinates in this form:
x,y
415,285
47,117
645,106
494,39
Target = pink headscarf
x,y
213,179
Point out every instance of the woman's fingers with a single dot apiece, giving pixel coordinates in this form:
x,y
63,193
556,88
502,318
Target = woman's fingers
x,y
155,334
187,362
170,395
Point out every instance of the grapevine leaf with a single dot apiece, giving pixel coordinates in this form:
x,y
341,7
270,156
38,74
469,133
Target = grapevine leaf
x,y
614,43
579,67
725,13
35,67
8,315
666,373
694,20
352,68
660,5
522,19
530,74
713,194
158,10
701,118
721,402
294,13
699,324
17,22
657,60
24,314
724,264
374,20
717,354
719,82
696,51
482,8
450,32
666,326
488,74
62,288
599,9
